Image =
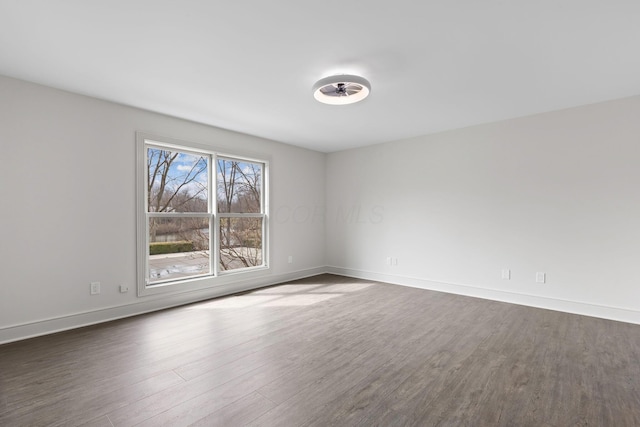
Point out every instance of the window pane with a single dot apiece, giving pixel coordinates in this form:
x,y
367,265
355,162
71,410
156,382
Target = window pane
x,y
176,181
240,243
178,248
239,186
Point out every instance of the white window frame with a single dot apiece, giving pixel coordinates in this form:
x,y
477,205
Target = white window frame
x,y
215,276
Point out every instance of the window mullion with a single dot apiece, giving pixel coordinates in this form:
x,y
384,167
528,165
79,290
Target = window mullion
x,y
178,214
213,208
241,215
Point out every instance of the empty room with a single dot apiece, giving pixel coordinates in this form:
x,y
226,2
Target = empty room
x,y
334,214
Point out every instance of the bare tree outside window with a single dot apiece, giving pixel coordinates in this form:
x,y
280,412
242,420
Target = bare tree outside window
x,y
239,192
177,183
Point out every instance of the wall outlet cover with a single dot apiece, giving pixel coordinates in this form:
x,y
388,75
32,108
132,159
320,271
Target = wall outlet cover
x,y
95,288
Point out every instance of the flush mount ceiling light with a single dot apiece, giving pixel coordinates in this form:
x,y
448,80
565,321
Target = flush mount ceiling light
x,y
341,90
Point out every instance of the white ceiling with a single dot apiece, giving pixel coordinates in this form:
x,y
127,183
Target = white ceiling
x,y
249,65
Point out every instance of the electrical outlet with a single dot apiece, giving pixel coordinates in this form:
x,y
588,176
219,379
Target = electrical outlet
x,y
290,259
124,289
95,288
541,277
506,274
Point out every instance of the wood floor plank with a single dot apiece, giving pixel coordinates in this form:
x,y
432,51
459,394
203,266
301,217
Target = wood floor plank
x,y
329,350
238,413
224,384
306,327
102,421
82,407
304,396
204,404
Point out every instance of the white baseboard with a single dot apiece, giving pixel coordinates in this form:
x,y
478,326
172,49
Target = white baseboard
x,y
575,307
144,305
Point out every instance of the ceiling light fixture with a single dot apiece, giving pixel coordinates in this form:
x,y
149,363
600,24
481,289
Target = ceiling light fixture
x,y
341,90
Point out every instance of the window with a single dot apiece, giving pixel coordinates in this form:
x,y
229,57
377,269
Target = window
x,y
203,214
240,213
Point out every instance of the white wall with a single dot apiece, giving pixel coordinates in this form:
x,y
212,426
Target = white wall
x,y
557,193
67,195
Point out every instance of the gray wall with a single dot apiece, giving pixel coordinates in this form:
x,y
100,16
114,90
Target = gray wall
x,y
557,193
68,207
554,193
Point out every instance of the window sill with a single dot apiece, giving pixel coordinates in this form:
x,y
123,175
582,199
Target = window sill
x,y
202,283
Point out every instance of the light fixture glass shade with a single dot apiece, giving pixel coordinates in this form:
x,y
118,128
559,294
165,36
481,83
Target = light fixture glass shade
x,y
341,90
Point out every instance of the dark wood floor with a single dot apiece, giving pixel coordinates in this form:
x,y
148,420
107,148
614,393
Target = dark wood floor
x,y
326,351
